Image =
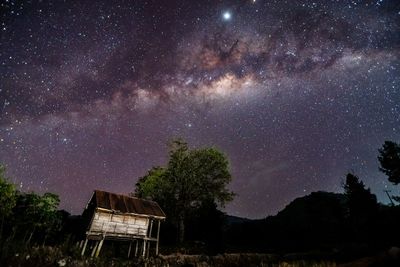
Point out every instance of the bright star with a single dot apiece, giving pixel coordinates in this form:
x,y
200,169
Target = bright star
x,y
227,15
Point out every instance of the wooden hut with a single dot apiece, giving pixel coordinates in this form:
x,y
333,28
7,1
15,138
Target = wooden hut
x,y
118,217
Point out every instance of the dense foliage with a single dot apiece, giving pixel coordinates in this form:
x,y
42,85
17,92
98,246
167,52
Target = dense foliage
x,y
192,179
389,158
28,218
7,199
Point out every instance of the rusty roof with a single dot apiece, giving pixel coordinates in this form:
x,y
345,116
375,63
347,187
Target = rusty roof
x,y
126,204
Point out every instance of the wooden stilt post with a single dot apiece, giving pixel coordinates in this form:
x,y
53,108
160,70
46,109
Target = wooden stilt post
x,y
99,247
158,236
151,227
94,249
136,247
84,247
144,248
148,249
129,250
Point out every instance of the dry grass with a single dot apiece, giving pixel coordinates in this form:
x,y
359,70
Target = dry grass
x,y
54,257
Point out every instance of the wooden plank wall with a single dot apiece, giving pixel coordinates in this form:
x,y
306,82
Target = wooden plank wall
x,y
119,224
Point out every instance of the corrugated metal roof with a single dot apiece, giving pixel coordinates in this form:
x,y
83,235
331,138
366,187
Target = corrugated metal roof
x,y
127,204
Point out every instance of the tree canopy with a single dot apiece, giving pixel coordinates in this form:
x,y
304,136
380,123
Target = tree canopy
x,y
191,179
7,194
27,216
389,158
362,207
360,199
7,199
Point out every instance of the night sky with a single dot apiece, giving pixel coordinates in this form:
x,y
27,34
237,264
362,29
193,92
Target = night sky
x,y
296,93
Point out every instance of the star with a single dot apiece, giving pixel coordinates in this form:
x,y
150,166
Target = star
x,y
227,15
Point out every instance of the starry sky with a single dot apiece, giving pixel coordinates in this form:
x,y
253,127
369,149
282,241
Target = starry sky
x,y
296,93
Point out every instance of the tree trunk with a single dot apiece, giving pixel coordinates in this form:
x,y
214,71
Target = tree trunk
x,y
1,237
181,228
1,228
30,236
44,240
11,237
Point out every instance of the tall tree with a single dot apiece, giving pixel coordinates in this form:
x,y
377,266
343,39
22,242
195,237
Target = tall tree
x,y
50,216
7,198
36,214
191,178
359,197
362,205
389,158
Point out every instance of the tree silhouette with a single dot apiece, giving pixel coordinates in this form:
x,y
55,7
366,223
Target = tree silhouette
x,y
191,178
36,215
7,199
389,158
362,206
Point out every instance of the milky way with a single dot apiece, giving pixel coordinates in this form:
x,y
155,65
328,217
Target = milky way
x,y
296,93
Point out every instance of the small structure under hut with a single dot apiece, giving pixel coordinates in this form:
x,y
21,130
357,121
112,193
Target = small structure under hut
x,y
122,218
